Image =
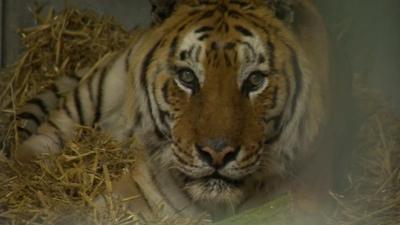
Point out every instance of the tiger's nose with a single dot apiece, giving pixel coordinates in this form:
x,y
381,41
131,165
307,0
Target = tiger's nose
x,y
217,153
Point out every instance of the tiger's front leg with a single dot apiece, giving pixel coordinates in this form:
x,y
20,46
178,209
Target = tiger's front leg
x,y
97,99
49,139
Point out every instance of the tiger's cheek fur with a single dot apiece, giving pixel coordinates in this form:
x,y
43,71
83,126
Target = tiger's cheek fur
x,y
182,133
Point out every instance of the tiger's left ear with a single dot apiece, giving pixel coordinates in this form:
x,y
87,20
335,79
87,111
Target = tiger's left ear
x,y
162,9
284,9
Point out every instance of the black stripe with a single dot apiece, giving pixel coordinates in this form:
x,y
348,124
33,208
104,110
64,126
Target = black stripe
x,y
204,29
138,119
60,139
248,45
271,54
27,132
182,160
58,133
256,17
180,150
90,90
29,116
207,2
194,12
206,15
214,46
40,103
271,140
161,114
298,81
249,164
190,52
243,31
100,96
162,42
158,132
226,27
230,45
172,47
203,37
278,128
235,58
234,14
222,8
78,105
143,80
127,62
277,122
261,59
249,156
54,125
90,85
74,76
198,51
182,28
163,118
274,97
240,3
227,59
270,29
183,55
66,109
287,83
164,90
54,89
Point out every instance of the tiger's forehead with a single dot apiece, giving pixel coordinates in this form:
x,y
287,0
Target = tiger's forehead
x,y
237,46
221,38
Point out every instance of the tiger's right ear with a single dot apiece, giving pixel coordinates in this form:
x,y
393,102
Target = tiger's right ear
x,y
161,10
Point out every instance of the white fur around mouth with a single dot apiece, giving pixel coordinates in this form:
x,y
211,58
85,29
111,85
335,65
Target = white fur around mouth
x,y
215,177
214,189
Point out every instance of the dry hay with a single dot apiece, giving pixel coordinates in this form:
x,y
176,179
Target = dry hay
x,y
57,45
61,189
373,196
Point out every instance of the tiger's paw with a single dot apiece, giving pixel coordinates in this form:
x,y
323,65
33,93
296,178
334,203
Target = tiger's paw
x,y
37,147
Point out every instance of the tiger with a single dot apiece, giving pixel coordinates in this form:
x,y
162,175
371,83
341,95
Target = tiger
x,y
227,99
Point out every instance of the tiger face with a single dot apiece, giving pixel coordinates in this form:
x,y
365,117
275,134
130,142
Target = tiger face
x,y
226,85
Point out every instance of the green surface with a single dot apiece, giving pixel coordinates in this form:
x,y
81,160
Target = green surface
x,y
276,212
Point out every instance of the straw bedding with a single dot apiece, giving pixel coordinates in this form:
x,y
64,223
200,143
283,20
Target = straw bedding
x,y
373,196
61,189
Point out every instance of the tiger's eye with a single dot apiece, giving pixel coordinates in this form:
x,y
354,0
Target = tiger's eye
x,y
256,79
188,79
186,76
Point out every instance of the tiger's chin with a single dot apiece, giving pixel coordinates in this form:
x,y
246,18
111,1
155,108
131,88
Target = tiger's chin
x,y
215,191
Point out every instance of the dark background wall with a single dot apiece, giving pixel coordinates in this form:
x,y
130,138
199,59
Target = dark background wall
x,y
16,14
366,39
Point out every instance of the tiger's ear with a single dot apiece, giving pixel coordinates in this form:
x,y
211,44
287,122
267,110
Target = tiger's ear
x,y
284,9
162,9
